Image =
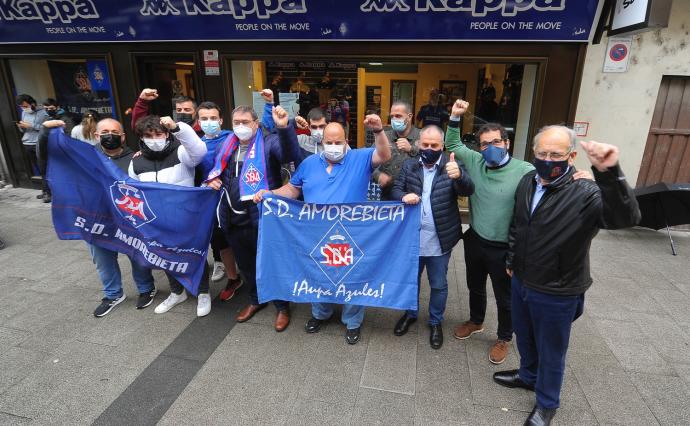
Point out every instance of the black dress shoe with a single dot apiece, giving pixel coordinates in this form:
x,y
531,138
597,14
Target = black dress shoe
x,y
511,379
314,325
436,337
403,325
540,416
352,336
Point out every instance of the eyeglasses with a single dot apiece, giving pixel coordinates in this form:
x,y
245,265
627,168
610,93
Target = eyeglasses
x,y
242,122
554,156
106,132
495,142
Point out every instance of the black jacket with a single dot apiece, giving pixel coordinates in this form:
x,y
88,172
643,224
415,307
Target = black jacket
x,y
121,160
549,250
444,196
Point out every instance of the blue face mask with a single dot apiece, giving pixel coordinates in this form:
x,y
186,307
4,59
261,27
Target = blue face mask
x,y
398,125
210,127
493,155
550,170
430,156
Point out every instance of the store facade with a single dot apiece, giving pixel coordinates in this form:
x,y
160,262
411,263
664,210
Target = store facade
x,y
517,62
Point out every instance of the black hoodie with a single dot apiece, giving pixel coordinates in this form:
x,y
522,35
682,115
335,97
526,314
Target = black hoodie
x,y
121,160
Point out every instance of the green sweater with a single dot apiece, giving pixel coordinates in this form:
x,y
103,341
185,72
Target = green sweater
x,y
491,205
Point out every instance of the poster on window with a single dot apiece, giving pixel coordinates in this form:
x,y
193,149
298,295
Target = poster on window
x,y
82,86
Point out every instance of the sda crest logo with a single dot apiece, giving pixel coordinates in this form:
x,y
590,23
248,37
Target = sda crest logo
x,y
131,204
252,177
336,254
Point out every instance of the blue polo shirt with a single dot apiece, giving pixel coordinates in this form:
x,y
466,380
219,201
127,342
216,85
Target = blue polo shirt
x,y
348,181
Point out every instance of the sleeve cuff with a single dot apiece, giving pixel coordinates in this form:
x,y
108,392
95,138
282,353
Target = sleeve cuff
x,y
454,123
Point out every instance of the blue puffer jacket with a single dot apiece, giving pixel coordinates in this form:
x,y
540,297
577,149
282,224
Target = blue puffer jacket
x,y
444,196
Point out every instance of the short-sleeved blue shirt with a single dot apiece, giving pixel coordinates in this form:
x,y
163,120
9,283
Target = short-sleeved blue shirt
x,y
348,181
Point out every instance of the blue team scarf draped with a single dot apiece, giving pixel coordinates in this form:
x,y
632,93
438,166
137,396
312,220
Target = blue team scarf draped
x,y
253,176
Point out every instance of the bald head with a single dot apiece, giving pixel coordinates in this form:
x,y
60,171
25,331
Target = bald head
x,y
334,132
559,135
109,125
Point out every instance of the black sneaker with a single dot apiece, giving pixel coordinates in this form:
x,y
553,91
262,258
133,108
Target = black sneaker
x,y
40,196
145,299
107,305
47,198
352,336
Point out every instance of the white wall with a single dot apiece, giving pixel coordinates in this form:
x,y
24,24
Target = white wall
x,y
33,78
619,106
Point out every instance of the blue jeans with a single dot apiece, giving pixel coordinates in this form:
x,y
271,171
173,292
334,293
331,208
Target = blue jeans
x,y
542,325
437,272
109,272
352,316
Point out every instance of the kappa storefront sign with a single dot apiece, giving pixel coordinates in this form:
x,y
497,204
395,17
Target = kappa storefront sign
x,y
27,21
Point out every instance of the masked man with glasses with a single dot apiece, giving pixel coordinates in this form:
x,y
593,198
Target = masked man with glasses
x,y
495,175
555,219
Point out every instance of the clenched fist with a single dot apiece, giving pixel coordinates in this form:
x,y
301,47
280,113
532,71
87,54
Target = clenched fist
x,y
459,108
411,198
149,94
168,123
373,122
280,117
301,123
403,145
267,94
452,168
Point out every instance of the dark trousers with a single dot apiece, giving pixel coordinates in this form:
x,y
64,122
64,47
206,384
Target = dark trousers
x,y
243,241
542,331
43,167
488,259
178,288
218,242
33,159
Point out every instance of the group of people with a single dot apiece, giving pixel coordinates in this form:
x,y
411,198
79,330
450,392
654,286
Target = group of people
x,y
530,232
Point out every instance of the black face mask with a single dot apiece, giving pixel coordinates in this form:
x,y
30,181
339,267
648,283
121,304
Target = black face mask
x,y
430,156
111,141
550,170
184,117
51,112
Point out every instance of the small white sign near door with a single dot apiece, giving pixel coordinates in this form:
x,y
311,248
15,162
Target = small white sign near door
x,y
617,54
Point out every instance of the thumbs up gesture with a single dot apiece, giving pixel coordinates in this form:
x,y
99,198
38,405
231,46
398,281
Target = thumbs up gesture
x,y
452,168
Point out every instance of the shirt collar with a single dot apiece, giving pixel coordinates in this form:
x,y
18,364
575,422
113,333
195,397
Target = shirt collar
x,y
538,179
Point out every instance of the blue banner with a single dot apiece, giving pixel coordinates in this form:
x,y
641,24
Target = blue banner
x,y
358,254
160,226
26,21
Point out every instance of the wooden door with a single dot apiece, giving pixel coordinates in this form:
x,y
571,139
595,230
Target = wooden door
x,y
667,153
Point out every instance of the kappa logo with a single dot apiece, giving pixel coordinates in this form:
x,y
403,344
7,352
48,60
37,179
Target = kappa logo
x,y
253,177
131,204
336,254
158,7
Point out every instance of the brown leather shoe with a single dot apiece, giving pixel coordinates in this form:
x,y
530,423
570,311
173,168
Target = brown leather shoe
x,y
248,311
499,351
282,320
466,329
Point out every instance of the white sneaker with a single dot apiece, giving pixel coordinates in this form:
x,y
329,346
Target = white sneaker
x,y
203,305
218,271
170,302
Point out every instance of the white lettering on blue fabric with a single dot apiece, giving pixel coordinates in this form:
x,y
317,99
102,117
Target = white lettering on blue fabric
x,y
478,8
47,11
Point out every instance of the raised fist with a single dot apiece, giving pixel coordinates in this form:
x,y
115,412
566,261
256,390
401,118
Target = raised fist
x,y
267,94
301,123
601,155
459,108
373,122
280,117
403,145
149,94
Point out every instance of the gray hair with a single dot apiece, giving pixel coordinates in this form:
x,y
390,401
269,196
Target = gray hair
x,y
433,129
404,104
570,132
242,109
110,120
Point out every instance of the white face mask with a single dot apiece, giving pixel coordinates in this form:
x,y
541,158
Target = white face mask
x,y
243,132
27,110
317,135
155,144
334,153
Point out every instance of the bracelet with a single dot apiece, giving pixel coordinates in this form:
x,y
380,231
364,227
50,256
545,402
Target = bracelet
x,y
378,131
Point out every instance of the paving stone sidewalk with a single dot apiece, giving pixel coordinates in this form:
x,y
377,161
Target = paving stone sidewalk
x,y
628,362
